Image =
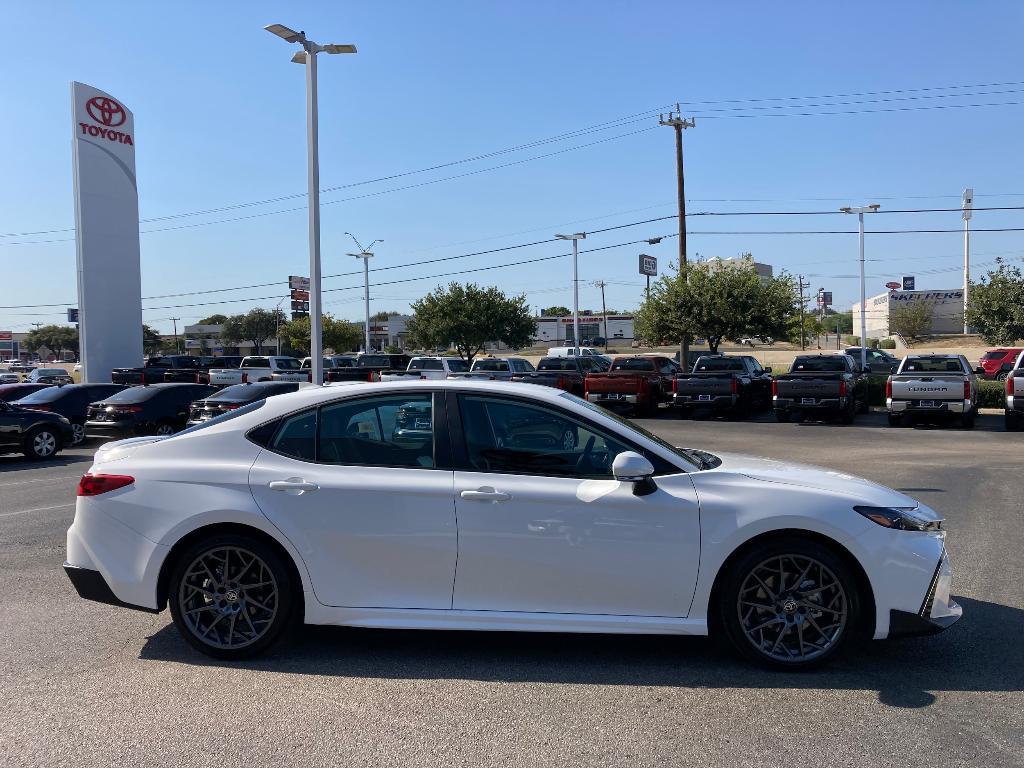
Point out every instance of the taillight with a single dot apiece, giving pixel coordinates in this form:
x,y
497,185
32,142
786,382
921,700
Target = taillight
x,y
309,377
888,388
675,384
586,386
39,407
94,485
842,389
775,388
245,378
967,390
125,409
142,377
1009,386
735,386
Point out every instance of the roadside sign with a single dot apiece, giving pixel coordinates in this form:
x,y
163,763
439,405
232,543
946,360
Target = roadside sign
x,y
297,283
297,315
300,306
298,295
6,335
908,283
648,265
72,315
824,298
893,286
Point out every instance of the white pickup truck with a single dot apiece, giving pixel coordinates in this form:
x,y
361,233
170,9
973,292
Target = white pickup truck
x,y
427,368
259,368
1014,412
930,386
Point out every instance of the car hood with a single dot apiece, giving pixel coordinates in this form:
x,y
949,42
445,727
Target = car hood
x,y
809,476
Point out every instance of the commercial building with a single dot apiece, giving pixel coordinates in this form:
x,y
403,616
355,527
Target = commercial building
x,y
557,331
947,311
764,271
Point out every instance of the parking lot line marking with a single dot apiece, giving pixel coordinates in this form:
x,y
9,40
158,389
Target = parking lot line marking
x,y
37,509
40,480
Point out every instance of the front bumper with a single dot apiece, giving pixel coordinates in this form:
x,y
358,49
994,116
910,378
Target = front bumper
x,y
938,610
938,406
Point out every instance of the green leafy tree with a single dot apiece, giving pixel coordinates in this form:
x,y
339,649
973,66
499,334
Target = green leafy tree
x,y
256,326
716,304
213,320
55,338
468,317
556,311
844,319
151,340
995,307
913,319
383,315
339,335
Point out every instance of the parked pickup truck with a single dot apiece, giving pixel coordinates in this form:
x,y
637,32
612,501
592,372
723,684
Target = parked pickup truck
x,y
496,368
736,385
259,368
335,368
427,368
879,361
157,370
1015,396
565,373
933,386
821,385
635,382
383,361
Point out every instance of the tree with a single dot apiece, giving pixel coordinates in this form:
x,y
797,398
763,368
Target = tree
x,y
151,340
55,338
339,335
213,320
469,316
555,311
257,325
913,319
844,319
996,306
383,316
717,304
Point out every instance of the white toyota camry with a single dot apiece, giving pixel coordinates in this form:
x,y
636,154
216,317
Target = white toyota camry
x,y
495,506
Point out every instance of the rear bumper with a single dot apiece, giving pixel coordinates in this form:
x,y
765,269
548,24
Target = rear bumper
x,y
91,585
913,406
615,398
814,403
110,428
712,401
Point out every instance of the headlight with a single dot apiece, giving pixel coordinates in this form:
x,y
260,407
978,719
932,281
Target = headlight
x,y
902,518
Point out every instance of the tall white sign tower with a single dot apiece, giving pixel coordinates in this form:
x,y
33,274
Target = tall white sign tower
x,y
106,233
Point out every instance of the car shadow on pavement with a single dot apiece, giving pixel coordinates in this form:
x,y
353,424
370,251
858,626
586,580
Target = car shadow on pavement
x,y
982,653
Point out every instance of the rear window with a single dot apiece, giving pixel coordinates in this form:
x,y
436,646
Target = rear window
x,y
557,364
819,364
374,361
932,365
134,395
490,365
287,364
50,372
48,395
249,391
718,364
226,416
256,362
995,354
457,366
426,364
632,364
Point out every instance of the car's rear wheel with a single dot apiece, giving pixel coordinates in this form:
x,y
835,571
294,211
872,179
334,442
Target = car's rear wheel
x,y
967,420
164,429
41,443
231,596
895,420
77,433
781,415
789,604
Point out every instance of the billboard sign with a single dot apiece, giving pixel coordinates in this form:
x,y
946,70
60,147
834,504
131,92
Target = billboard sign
x,y
893,286
300,306
297,283
648,265
72,315
824,298
106,232
6,336
908,283
298,295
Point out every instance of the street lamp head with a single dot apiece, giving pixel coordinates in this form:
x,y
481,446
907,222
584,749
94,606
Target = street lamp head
x,y
575,236
335,48
847,209
654,240
299,57
285,33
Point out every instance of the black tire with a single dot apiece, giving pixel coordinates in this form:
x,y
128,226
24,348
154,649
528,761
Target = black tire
x,y
165,428
1001,376
41,443
195,604
1012,421
781,416
864,407
967,420
847,416
78,433
895,420
739,619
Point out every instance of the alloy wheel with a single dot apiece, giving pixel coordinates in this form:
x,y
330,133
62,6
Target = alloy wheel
x,y
44,444
164,430
568,440
792,608
77,433
228,598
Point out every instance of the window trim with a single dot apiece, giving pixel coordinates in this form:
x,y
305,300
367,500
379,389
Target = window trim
x,y
460,454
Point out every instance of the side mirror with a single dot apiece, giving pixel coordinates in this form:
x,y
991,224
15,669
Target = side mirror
x,y
768,369
631,467
980,371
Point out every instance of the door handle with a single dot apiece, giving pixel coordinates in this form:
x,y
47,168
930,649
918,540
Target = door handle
x,y
292,485
486,494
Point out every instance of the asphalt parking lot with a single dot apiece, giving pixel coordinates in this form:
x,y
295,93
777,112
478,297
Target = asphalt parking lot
x,y
89,685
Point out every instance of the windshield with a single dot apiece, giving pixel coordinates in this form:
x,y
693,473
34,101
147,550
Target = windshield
x,y
632,364
47,395
995,354
490,365
825,364
701,459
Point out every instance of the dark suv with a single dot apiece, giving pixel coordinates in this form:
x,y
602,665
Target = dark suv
x,y
150,409
230,398
70,401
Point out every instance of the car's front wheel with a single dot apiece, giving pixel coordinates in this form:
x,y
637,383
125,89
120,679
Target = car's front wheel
x,y
231,596
789,604
41,443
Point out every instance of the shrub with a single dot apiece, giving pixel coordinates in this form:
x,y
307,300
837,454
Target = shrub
x,y
852,341
991,394
876,390
872,343
887,344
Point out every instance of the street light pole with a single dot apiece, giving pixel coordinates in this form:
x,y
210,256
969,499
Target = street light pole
x,y
575,289
863,290
277,320
308,57
968,204
365,254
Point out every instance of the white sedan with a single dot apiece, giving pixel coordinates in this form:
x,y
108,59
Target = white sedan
x,y
459,504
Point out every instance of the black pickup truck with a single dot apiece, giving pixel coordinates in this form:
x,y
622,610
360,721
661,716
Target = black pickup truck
x,y
158,370
735,385
823,386
565,373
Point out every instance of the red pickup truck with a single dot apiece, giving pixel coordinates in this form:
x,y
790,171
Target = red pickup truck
x,y
637,382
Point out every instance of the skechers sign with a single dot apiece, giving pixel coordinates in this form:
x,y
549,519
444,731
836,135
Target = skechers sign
x,y
107,115
926,296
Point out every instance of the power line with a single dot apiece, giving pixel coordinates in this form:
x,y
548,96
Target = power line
x,y
860,93
863,111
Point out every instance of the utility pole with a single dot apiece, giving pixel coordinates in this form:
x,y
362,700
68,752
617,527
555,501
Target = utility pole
x,y
177,349
968,204
802,284
678,123
604,312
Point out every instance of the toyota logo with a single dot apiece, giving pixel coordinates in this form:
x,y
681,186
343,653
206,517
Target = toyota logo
x,y
105,110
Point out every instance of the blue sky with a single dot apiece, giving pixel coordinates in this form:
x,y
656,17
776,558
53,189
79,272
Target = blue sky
x,y
219,114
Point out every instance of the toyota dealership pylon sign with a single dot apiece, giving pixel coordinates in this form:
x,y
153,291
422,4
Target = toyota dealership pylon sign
x,y
106,232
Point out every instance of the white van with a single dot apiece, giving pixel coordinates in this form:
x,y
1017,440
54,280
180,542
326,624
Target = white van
x,y
571,352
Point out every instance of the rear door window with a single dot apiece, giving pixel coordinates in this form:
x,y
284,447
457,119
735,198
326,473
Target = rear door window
x,y
388,431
